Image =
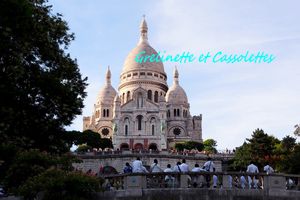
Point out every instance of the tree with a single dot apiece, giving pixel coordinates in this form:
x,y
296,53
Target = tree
x,y
92,140
261,147
287,144
242,157
64,185
32,163
210,145
41,87
189,145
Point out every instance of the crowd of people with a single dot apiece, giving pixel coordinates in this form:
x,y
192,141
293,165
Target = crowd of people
x,y
204,180
180,167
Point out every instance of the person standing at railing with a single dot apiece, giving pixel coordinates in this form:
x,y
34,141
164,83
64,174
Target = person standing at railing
x,y
208,166
184,167
137,166
155,167
268,169
197,179
127,169
251,179
170,180
177,167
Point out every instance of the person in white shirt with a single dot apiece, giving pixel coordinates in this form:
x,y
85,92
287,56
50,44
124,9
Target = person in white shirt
x,y
268,169
197,168
197,179
208,166
169,179
184,167
137,166
252,168
155,167
177,167
251,179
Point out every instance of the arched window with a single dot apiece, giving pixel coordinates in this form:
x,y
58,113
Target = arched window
x,y
178,113
174,112
128,96
126,129
168,113
139,118
140,100
104,113
153,127
123,98
156,96
107,113
150,94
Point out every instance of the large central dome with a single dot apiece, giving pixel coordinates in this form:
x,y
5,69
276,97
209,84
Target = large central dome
x,y
131,65
135,73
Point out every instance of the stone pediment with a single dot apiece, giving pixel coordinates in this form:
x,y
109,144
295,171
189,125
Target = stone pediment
x,y
145,105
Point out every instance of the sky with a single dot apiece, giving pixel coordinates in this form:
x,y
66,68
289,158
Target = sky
x,y
234,99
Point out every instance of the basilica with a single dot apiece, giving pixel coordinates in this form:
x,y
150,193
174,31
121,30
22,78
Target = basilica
x,y
145,113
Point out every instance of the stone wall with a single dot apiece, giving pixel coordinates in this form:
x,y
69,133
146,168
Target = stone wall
x,y
198,194
118,161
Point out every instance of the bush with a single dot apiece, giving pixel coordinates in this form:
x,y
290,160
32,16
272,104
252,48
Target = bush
x,y
62,185
83,148
189,145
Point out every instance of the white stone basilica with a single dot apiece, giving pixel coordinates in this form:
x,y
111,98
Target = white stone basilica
x,y
145,113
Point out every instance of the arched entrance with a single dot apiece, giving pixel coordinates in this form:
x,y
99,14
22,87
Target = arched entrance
x,y
124,146
138,146
153,147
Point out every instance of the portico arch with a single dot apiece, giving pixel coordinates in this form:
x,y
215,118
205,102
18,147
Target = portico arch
x,y
153,146
124,146
138,146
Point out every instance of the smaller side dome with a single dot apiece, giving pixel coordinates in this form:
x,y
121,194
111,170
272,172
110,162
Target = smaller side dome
x,y
176,94
107,93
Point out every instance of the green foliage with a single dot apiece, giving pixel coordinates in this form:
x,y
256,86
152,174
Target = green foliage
x,y
179,146
41,87
261,149
287,144
33,162
7,155
27,164
289,153
91,139
189,145
242,158
210,146
106,143
63,185
82,148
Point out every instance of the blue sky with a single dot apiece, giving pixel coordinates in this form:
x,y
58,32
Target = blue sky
x,y
234,99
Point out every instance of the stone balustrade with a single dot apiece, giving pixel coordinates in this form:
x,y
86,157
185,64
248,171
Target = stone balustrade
x,y
145,185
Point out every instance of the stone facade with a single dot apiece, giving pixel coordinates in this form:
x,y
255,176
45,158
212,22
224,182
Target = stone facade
x,y
145,113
